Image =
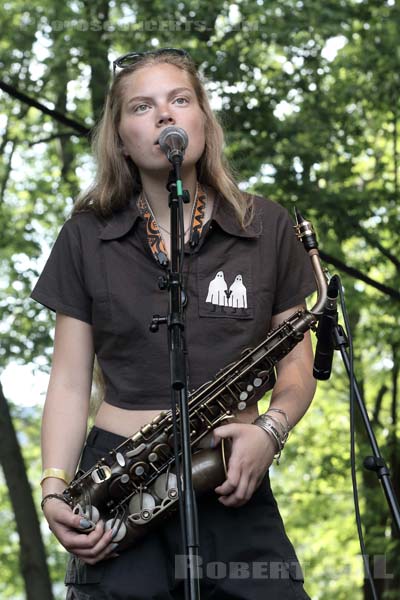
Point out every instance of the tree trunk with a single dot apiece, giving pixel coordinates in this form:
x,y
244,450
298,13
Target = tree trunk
x,y
97,45
32,554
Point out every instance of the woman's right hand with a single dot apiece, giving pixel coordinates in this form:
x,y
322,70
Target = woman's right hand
x,y
72,532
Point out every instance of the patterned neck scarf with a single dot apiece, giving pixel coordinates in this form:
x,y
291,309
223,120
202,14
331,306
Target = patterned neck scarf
x,y
154,237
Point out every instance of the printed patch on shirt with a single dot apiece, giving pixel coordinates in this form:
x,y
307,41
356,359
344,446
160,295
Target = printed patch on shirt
x,y
226,293
237,294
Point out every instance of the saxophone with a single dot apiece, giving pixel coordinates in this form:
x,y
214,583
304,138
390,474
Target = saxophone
x,y
134,487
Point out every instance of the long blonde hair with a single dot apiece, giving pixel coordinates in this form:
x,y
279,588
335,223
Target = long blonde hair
x,y
118,177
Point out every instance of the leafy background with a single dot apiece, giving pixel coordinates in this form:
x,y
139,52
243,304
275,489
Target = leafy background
x,y
308,93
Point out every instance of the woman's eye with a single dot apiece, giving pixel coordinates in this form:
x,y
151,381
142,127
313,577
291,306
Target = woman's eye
x,y
181,100
141,107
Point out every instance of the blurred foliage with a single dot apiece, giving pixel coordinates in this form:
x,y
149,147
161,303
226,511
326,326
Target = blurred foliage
x,y
308,95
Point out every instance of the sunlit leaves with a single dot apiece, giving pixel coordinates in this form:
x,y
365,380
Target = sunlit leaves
x,y
308,95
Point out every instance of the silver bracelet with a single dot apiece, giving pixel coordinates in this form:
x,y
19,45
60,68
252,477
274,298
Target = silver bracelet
x,y
285,429
281,412
268,428
278,423
280,435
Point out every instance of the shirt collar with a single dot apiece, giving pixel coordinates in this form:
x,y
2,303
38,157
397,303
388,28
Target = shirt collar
x,y
225,217
122,221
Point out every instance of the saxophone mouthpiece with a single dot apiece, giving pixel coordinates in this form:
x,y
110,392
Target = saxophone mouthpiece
x,y
305,232
298,215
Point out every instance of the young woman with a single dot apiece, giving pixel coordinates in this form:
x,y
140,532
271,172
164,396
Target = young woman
x,y
244,273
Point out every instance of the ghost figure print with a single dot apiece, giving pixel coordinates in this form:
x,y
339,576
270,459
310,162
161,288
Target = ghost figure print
x,y
217,291
238,293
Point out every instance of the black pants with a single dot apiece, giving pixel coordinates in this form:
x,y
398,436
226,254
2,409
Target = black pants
x,y
245,553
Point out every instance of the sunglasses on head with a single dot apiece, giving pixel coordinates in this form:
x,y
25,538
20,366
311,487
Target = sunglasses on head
x,y
127,60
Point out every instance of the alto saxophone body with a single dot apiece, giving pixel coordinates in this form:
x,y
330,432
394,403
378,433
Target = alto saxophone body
x,y
134,487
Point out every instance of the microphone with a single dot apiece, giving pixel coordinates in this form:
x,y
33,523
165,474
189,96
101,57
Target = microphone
x,y
325,346
173,142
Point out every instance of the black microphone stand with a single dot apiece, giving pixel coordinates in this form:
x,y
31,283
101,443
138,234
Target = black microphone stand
x,y
179,386
375,462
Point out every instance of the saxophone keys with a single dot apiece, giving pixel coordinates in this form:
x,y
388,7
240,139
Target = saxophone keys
x,y
136,451
140,503
159,418
162,451
89,512
164,485
101,474
260,378
243,396
117,487
139,469
120,459
118,527
146,429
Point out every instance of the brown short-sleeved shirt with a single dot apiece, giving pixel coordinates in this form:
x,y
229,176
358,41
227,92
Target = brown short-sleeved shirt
x,y
102,272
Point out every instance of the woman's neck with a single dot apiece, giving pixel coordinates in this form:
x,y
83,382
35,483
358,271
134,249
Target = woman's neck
x,y
156,194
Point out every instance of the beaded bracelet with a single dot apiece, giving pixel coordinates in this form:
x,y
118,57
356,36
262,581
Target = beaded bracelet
x,y
55,496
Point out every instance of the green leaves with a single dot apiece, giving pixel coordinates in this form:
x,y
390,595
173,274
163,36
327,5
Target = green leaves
x,y
308,95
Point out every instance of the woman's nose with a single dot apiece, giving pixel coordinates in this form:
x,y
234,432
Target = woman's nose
x,y
165,117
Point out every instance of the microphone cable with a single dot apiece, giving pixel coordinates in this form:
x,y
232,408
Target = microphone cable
x,y
352,441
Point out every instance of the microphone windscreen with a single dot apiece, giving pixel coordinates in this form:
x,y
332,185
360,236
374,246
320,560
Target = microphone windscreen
x,y
172,138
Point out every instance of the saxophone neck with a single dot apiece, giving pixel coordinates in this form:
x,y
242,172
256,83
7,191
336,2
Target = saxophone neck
x,y
306,234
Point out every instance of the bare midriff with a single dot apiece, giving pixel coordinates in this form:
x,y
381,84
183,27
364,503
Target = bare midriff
x,y
127,422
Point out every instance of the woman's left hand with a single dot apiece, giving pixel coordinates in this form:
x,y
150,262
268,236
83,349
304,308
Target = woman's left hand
x,y
252,453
